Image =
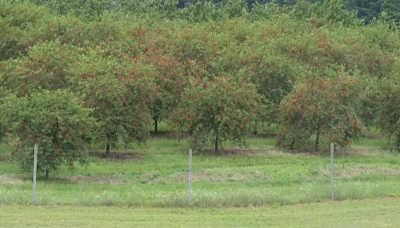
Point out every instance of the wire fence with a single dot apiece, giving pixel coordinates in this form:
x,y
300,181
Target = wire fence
x,y
307,192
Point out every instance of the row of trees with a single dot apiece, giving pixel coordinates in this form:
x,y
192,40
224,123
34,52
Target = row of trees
x,y
66,81
195,10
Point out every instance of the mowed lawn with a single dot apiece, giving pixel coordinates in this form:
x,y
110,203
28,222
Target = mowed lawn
x,y
358,213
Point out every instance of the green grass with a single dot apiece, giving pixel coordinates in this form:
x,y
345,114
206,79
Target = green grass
x,y
363,214
256,175
165,126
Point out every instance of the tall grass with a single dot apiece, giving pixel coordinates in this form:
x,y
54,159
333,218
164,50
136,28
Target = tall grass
x,y
255,175
204,195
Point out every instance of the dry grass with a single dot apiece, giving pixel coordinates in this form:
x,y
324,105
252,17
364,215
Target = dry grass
x,y
351,151
4,158
263,152
217,175
75,179
10,179
80,179
362,170
358,151
245,152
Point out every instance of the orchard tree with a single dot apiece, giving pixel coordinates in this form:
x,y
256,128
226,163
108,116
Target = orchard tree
x,y
170,81
20,27
327,12
388,119
320,106
55,120
270,72
46,67
200,11
120,94
217,110
2,128
235,8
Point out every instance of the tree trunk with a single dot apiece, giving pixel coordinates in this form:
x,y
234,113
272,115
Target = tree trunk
x,y
108,149
317,142
47,174
216,143
255,131
155,126
292,145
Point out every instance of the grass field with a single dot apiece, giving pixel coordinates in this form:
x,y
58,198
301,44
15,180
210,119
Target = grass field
x,y
155,175
363,214
255,186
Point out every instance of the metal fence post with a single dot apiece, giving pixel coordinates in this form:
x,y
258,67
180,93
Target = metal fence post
x,y
332,173
34,172
190,176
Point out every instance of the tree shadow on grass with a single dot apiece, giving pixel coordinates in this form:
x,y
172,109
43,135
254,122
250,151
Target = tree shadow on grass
x,y
229,151
117,156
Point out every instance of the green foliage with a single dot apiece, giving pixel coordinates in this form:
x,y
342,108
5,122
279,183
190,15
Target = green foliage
x,y
392,7
366,9
267,11
55,120
388,95
326,12
120,94
201,11
235,8
371,10
3,130
93,9
204,10
170,81
325,107
45,67
217,110
95,47
20,27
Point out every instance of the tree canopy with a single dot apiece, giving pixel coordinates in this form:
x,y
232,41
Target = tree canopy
x,y
215,70
55,120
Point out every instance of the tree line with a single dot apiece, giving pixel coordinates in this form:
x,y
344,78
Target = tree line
x,y
72,75
367,10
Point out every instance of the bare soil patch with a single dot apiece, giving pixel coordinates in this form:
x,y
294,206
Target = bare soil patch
x,y
116,155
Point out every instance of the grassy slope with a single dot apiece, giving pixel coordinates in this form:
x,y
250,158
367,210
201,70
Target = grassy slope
x,y
366,213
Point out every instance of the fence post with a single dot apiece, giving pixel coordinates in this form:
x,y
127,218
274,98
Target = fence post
x,y
332,173
190,176
34,172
